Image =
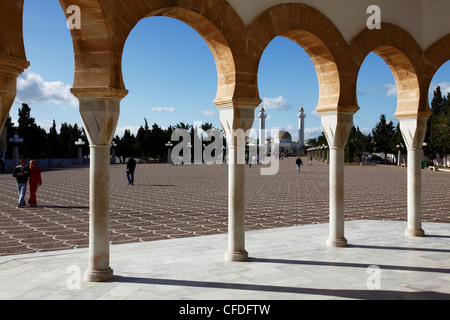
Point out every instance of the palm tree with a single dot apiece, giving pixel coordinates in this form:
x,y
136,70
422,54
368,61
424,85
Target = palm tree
x,y
183,126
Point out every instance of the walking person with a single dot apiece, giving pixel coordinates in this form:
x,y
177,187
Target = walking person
x,y
310,159
22,173
131,167
298,163
34,182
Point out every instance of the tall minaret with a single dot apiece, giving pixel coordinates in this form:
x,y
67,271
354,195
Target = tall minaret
x,y
262,127
301,127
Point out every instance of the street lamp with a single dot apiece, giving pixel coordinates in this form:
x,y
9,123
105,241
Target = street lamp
x,y
113,152
80,143
15,140
169,145
399,147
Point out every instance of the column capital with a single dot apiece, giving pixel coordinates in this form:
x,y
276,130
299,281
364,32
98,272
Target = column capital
x,y
99,92
337,109
234,118
231,102
100,116
413,131
12,66
10,69
337,127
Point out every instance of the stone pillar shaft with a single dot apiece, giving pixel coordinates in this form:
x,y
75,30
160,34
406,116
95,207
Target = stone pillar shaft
x,y
236,120
99,110
414,193
336,235
99,198
337,126
236,207
413,130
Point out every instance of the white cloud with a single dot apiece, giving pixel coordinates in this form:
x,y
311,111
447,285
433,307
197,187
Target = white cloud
x,y
164,109
391,90
275,104
121,130
445,88
210,113
313,132
315,114
32,89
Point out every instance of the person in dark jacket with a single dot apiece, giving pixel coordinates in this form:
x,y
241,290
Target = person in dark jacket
x,y
298,163
22,173
131,167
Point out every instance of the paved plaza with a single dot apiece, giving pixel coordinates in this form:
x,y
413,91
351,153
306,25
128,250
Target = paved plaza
x,y
168,235
170,202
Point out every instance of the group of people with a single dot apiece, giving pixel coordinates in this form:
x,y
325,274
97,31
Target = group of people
x,y
31,175
27,175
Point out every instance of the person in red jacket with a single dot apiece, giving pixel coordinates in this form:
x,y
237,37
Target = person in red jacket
x,y
34,182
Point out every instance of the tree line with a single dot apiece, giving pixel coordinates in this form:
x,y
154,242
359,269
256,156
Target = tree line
x,y
150,142
37,143
386,138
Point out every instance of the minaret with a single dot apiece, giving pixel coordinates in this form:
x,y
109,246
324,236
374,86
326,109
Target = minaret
x,y
301,127
262,127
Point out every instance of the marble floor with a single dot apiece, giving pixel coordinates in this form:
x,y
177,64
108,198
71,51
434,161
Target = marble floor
x,y
289,263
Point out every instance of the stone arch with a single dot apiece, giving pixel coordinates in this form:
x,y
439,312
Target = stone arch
x,y
323,42
404,57
95,62
216,29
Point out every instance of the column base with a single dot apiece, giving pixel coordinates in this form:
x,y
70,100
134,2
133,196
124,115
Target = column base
x,y
337,242
414,233
236,256
99,276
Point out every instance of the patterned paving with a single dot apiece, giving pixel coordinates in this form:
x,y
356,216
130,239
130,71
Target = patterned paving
x,y
169,202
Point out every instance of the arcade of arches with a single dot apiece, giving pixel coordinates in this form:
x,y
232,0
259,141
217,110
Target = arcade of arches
x,y
237,32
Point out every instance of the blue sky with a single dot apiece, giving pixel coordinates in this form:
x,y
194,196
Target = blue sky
x,y
171,75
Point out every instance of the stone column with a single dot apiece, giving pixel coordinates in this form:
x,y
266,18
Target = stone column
x,y
413,130
337,126
99,110
236,120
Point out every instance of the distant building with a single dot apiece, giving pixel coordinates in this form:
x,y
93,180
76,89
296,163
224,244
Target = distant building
x,y
284,138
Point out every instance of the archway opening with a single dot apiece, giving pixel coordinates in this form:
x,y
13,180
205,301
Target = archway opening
x,y
387,88
437,139
45,85
173,75
288,78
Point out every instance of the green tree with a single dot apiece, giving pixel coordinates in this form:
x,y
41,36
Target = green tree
x,y
438,126
126,146
143,141
34,137
54,150
69,134
157,143
382,136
